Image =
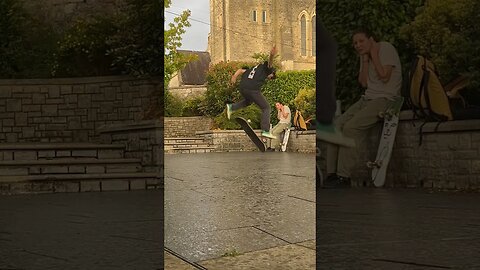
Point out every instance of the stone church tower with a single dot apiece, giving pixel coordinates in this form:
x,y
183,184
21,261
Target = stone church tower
x,y
240,28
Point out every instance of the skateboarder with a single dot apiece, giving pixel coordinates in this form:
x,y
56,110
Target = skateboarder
x,y
284,120
380,73
251,82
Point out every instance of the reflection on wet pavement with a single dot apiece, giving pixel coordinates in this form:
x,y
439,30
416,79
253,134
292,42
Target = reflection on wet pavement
x,y
220,203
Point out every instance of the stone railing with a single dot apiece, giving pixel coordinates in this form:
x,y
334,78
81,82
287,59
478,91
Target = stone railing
x,y
448,158
70,109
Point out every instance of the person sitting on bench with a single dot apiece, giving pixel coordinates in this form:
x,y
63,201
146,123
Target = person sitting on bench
x,y
284,121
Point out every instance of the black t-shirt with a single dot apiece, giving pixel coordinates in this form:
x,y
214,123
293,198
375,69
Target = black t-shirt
x,y
255,77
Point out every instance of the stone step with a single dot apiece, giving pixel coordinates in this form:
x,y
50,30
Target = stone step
x,y
191,140
79,183
209,149
58,146
75,177
68,165
185,145
38,151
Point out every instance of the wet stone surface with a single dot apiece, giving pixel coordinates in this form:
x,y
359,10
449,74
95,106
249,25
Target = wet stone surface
x,y
223,203
100,230
365,228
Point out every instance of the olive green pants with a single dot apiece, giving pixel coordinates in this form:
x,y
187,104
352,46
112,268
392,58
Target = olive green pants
x,y
354,123
277,132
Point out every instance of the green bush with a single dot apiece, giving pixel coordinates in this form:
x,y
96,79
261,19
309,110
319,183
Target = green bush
x,y
82,51
448,33
26,44
191,107
285,88
382,17
305,102
137,48
173,104
251,112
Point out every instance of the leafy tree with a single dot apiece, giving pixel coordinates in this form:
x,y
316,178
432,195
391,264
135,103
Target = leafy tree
x,y
26,44
448,33
137,47
175,61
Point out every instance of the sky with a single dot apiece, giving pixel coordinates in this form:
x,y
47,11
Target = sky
x,y
196,36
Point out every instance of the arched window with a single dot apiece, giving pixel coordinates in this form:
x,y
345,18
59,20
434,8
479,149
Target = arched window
x,y
314,34
303,35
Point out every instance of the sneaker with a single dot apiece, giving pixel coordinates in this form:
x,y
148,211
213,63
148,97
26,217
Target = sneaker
x,y
328,133
337,182
269,149
268,134
229,111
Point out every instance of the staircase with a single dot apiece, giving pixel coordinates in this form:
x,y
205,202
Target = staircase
x,y
187,145
69,167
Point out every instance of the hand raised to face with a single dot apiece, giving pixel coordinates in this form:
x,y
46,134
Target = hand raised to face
x,y
374,47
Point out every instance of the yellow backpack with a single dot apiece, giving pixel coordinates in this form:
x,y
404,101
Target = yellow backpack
x,y
427,94
298,121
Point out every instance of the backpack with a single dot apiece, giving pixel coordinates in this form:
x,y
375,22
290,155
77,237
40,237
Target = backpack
x,y
298,121
430,100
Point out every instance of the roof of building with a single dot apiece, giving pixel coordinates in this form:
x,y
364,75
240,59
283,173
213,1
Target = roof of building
x,y
195,72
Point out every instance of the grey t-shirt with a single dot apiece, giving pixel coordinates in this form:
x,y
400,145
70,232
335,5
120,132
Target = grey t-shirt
x,y
375,87
287,120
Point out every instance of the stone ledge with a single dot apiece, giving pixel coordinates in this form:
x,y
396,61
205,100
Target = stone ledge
x,y
148,124
306,132
54,146
71,177
68,161
90,185
74,80
452,126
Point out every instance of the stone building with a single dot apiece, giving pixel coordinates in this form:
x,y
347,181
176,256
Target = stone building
x,y
241,28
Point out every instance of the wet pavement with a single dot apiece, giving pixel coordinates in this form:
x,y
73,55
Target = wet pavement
x,y
228,206
99,230
363,228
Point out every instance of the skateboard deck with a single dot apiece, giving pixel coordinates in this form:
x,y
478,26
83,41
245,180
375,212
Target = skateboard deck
x,y
251,134
387,139
286,135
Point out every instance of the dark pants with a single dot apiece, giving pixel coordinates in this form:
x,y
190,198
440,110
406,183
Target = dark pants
x,y
253,96
326,69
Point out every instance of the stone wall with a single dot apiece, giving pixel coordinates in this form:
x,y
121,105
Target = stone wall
x,y
186,126
70,110
447,159
188,91
302,141
143,140
237,140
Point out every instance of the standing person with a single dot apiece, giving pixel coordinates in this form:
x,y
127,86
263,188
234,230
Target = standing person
x,y
284,121
381,74
251,82
325,84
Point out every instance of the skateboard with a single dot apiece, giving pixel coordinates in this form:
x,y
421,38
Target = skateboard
x,y
253,136
286,135
387,139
